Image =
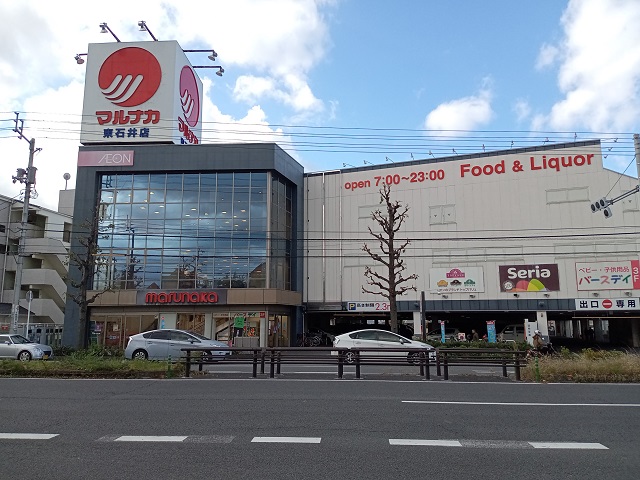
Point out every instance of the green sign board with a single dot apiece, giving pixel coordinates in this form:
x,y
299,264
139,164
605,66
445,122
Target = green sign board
x,y
238,322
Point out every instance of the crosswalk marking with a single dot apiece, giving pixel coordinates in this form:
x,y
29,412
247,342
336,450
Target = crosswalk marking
x,y
286,440
27,436
150,438
569,445
429,443
497,444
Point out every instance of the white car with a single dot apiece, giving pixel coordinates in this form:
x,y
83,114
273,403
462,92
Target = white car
x,y
168,344
18,347
372,339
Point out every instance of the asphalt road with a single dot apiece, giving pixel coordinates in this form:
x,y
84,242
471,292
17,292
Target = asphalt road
x,y
316,429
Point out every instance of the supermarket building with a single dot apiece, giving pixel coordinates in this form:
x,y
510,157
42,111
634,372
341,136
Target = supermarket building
x,y
236,242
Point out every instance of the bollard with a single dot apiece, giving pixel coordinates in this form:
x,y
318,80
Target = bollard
x,y
340,363
438,371
262,357
187,364
357,364
446,367
517,355
279,361
255,363
427,373
504,367
273,365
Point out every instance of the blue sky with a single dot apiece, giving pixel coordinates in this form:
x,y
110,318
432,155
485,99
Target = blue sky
x,y
343,81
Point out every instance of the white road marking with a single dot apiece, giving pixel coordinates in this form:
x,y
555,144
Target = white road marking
x,y
286,440
569,445
526,404
27,436
429,443
496,444
150,438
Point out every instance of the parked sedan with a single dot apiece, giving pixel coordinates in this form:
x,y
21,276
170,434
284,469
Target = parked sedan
x,y
20,348
168,344
372,339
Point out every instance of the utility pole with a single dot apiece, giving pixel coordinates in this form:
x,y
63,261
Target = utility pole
x,y
28,177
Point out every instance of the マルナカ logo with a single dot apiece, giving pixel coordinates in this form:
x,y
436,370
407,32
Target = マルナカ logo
x,y
130,76
189,96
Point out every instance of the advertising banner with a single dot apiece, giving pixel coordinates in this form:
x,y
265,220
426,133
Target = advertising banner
x,y
608,303
529,278
140,92
491,331
616,275
456,279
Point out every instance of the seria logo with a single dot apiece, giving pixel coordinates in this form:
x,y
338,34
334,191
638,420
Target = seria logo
x,y
130,76
189,96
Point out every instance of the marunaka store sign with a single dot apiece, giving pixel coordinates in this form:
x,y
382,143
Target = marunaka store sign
x,y
569,160
529,278
182,297
140,92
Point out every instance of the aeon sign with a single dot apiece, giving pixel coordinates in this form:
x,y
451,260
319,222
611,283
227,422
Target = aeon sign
x,y
113,158
142,92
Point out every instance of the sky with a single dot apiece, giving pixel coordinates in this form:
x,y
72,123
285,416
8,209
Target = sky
x,y
341,83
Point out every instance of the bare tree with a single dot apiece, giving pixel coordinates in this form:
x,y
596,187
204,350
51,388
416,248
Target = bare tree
x,y
87,260
392,282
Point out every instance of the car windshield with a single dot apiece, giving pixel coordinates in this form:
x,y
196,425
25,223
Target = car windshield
x,y
198,336
19,339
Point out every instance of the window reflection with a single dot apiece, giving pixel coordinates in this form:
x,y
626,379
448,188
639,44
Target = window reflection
x,y
194,231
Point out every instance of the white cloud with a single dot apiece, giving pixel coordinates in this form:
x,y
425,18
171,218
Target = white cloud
x,y
547,56
291,90
522,109
467,113
599,75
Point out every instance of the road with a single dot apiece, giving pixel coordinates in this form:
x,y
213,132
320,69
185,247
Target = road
x,y
316,429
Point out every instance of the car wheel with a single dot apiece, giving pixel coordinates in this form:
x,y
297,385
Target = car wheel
x,y
350,357
139,355
24,356
315,341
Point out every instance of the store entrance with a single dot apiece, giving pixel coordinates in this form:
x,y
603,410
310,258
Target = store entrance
x,y
193,322
278,331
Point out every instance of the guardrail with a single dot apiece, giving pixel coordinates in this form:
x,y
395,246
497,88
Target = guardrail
x,y
276,357
470,357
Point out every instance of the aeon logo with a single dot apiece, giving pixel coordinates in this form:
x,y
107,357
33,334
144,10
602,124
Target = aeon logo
x,y
130,76
189,96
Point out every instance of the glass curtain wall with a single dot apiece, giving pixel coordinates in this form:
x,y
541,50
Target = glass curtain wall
x,y
193,230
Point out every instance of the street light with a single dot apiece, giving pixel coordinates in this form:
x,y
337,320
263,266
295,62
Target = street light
x,y
104,28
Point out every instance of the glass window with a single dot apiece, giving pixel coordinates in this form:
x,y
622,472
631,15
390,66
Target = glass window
x,y
365,335
219,219
157,335
141,181
107,196
389,337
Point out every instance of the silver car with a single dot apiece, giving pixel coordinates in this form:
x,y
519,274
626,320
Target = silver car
x,y
20,348
371,339
168,344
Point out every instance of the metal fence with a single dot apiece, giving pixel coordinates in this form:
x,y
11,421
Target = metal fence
x,y
275,358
